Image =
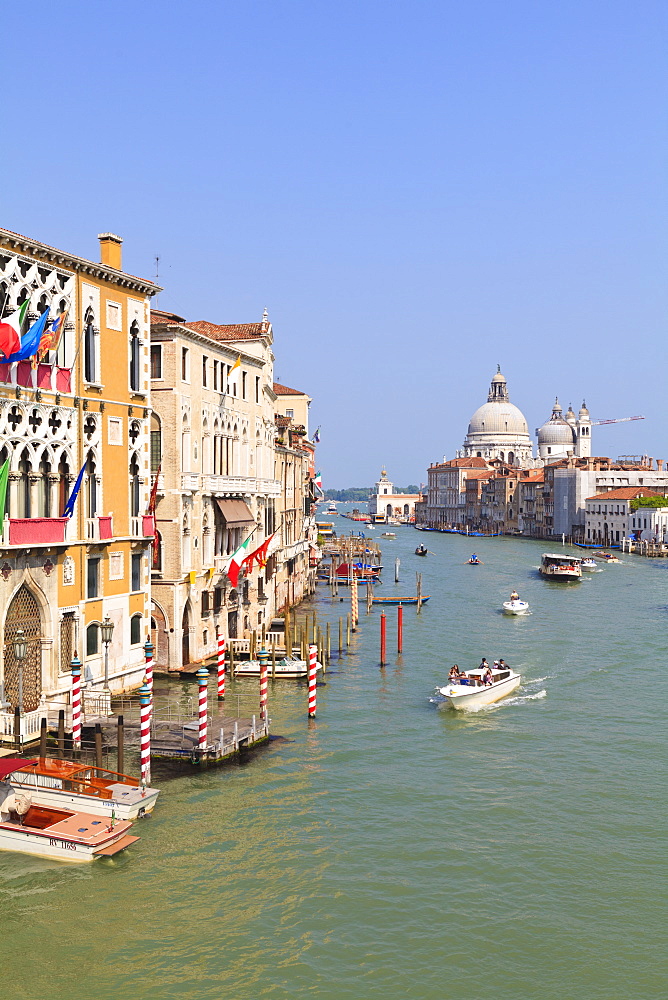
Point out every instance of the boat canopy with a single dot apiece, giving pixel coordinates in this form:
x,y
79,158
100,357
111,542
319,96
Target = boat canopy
x,y
10,764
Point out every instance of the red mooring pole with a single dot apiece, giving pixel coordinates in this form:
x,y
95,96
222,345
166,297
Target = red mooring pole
x,y
400,629
383,638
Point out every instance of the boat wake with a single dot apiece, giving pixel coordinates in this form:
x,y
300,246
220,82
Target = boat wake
x,y
522,699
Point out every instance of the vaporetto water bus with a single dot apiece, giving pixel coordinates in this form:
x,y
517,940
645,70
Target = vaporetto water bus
x,y
559,567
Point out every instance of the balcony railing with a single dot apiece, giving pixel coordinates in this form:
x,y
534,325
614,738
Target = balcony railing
x,y
142,526
239,484
99,529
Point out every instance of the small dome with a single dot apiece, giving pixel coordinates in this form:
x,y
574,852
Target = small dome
x,y
556,432
570,414
584,412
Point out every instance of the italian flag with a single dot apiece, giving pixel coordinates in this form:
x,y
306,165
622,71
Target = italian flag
x,y
317,482
237,559
10,330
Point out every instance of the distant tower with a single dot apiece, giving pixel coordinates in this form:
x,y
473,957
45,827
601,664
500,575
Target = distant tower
x,y
384,487
570,417
583,424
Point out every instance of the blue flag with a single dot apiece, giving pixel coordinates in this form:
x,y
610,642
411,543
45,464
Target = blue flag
x,y
31,340
72,498
316,436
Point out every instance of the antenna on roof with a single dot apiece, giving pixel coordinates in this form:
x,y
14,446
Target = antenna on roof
x,y
157,275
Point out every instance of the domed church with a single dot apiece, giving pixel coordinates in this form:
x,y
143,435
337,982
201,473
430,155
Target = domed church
x,y
560,436
498,429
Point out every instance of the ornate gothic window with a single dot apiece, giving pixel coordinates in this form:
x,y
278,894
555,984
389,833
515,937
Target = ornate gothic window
x,y
135,378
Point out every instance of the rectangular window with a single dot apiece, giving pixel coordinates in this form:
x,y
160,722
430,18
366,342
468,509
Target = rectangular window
x,y
184,364
135,630
114,316
291,415
205,362
136,572
257,388
115,430
217,598
115,565
156,450
93,577
244,378
206,608
92,639
215,375
156,360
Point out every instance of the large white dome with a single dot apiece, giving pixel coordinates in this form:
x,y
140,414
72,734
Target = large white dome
x,y
498,418
498,429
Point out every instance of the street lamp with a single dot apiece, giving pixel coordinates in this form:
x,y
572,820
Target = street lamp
x,y
20,653
107,630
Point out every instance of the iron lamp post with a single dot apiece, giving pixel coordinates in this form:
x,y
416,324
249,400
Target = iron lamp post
x,y
20,653
107,630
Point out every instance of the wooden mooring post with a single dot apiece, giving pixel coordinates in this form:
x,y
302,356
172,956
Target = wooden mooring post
x,y
61,732
120,745
42,738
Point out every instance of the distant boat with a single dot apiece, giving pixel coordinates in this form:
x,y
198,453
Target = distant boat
x,y
399,600
516,607
421,551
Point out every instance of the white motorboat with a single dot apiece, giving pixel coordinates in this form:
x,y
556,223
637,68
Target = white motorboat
x,y
288,667
516,607
558,567
589,564
468,691
67,785
66,834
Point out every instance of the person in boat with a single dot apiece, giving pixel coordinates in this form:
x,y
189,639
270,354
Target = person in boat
x,y
503,665
454,673
484,665
514,596
487,678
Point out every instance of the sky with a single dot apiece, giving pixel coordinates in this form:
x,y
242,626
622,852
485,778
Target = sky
x,y
416,191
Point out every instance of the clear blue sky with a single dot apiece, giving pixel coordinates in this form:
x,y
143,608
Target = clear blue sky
x,y
415,190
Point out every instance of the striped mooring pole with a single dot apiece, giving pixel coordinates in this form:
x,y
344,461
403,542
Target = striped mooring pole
x,y
263,659
76,701
203,681
145,710
400,629
148,667
221,666
312,676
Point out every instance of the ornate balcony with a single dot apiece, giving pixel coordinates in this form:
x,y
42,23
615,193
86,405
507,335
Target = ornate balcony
x,y
34,530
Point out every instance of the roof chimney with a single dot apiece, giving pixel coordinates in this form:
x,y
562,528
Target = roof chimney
x,y
659,465
110,250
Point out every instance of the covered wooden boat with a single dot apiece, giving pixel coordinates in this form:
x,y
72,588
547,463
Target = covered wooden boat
x,y
66,834
287,668
363,571
68,785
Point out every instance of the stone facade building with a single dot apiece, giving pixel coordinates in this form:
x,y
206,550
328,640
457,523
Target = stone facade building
x,y
83,408
212,437
386,505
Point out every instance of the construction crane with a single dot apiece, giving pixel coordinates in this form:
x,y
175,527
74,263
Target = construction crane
x,y
618,420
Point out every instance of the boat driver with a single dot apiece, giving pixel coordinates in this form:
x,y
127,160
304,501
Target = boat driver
x,y
514,596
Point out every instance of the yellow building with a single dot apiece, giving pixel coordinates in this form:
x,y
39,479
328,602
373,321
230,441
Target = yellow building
x,y
84,407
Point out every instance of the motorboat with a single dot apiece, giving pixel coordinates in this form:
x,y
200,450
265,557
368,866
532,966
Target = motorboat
x,y
288,668
608,557
469,693
516,607
67,785
332,508
589,564
558,567
388,534
363,571
66,834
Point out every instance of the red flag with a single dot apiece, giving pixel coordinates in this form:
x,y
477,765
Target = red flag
x,y
259,555
154,492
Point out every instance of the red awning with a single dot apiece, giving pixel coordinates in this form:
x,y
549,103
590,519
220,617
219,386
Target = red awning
x,y
10,764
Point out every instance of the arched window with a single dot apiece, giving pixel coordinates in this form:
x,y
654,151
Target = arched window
x,y
4,455
63,483
511,458
91,486
61,349
90,371
25,469
135,486
92,639
44,499
134,357
185,445
135,630
501,456
156,443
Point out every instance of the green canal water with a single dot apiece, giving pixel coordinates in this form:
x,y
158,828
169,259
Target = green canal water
x,y
391,849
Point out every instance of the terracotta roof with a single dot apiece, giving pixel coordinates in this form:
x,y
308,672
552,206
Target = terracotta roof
x,y
480,475
462,463
284,390
533,476
626,493
230,331
159,316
